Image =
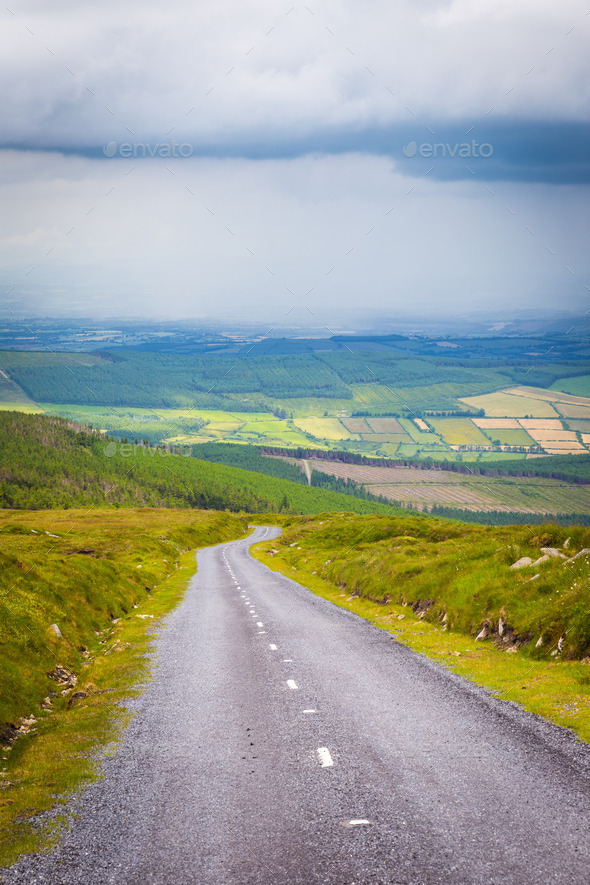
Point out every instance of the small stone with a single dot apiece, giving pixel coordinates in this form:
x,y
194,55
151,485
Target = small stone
x,y
77,696
63,676
484,632
553,552
539,642
53,628
579,555
522,562
501,626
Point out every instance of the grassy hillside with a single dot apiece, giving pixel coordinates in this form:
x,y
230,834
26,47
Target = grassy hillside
x,y
456,574
49,462
101,577
437,586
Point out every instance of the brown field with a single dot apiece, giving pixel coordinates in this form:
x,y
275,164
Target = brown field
x,y
421,425
552,437
421,488
386,425
569,410
550,396
356,425
579,424
542,424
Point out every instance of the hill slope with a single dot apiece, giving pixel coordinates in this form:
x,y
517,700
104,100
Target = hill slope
x,y
50,462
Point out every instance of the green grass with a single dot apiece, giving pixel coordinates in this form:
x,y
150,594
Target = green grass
x,y
459,431
12,397
508,436
325,428
577,386
46,580
458,577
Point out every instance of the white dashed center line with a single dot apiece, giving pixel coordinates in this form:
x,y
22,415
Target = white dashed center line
x,y
310,711
287,660
259,624
272,646
324,757
291,683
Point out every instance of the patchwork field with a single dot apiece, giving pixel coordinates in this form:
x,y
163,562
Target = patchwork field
x,y
372,383
424,488
551,436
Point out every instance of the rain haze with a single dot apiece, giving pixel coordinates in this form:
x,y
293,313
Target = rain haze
x,y
250,159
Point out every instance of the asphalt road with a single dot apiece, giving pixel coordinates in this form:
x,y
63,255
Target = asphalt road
x,y
284,740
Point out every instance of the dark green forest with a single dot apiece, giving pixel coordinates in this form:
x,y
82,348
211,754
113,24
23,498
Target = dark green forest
x,y
243,380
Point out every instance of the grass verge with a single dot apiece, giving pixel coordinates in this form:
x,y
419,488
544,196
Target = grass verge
x,y
59,753
555,689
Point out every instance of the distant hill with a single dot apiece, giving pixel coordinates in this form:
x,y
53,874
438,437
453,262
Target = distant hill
x,y
51,462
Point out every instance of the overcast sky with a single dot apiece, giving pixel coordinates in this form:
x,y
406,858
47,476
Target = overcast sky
x,y
246,158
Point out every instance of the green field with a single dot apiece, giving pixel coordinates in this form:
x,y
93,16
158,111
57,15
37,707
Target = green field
x,y
508,436
577,386
324,428
459,431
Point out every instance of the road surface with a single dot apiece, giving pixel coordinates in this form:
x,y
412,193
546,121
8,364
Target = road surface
x,y
285,740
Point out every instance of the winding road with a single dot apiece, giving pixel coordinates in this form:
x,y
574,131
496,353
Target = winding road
x,y
285,740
